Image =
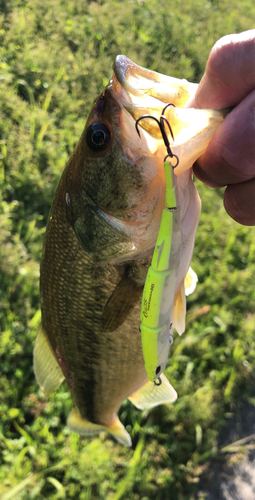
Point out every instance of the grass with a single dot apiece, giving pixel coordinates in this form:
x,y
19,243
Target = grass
x,y
55,57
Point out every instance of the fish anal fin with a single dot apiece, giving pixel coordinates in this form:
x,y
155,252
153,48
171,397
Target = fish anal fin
x,y
190,282
47,370
85,428
151,395
179,310
121,302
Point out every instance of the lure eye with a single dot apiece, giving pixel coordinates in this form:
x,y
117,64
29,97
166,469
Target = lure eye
x,y
158,369
98,136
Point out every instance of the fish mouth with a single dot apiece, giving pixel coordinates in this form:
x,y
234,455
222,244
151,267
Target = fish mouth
x,y
145,92
141,92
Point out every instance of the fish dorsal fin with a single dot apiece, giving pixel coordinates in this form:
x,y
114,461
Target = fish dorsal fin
x,y
47,370
85,428
120,303
151,395
179,310
190,282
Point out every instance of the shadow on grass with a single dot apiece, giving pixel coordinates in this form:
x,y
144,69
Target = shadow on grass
x,y
233,479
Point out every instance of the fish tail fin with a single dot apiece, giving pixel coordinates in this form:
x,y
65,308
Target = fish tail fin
x,y
85,428
150,395
47,370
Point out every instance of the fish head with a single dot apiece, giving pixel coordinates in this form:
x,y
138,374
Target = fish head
x,y
113,182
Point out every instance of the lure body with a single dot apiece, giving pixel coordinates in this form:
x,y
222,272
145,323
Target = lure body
x,y
160,285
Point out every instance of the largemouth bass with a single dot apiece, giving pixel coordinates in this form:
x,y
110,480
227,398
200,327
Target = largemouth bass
x,y
99,242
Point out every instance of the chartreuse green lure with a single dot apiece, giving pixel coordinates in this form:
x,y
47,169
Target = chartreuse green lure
x,y
159,289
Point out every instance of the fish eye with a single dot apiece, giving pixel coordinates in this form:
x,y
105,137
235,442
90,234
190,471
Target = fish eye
x,y
98,136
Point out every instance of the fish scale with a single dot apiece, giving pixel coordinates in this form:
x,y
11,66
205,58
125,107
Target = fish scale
x,y
74,302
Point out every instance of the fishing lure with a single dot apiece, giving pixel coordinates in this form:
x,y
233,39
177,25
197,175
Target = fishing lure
x,y
159,290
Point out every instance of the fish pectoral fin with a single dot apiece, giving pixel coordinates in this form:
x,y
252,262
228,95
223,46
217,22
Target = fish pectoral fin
x,y
121,302
179,310
85,428
190,282
47,370
151,395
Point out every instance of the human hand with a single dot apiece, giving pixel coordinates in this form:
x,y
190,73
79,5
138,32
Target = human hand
x,y
229,160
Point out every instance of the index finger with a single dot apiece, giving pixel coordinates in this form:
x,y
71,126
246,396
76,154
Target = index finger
x,y
230,72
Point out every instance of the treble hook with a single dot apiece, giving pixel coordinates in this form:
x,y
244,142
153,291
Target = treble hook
x,y
161,123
